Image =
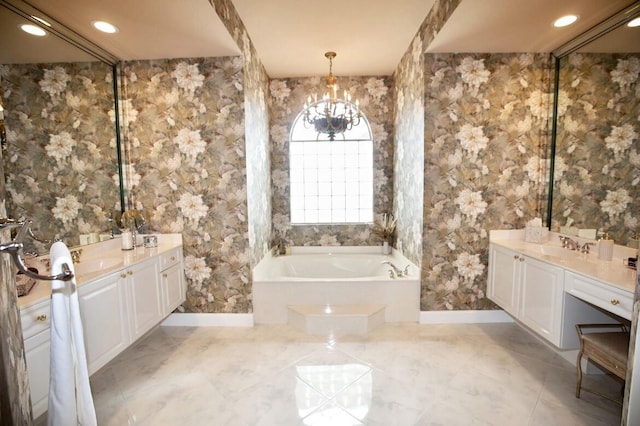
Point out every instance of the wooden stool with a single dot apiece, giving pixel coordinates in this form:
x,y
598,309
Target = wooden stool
x,y
608,349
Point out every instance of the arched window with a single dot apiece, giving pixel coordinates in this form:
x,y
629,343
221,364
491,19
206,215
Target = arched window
x,y
331,181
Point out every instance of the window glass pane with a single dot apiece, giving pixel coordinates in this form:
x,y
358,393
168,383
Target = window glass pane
x,y
352,215
296,175
352,175
324,188
324,175
324,216
331,181
297,216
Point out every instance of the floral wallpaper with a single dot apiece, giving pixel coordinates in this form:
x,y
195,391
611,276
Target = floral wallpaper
x,y
597,166
256,86
487,121
409,151
61,163
287,97
185,138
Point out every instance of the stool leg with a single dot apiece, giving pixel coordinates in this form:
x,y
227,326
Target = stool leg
x,y
579,371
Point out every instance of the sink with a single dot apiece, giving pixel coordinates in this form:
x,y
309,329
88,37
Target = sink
x,y
95,265
555,251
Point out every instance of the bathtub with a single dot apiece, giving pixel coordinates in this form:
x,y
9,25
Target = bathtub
x,y
332,276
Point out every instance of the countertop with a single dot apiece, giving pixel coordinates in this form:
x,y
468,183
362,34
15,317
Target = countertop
x,y
612,272
92,254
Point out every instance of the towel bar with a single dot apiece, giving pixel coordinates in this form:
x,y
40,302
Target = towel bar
x,y
14,249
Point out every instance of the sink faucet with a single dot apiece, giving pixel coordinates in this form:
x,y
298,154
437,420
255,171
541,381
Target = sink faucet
x,y
398,272
568,243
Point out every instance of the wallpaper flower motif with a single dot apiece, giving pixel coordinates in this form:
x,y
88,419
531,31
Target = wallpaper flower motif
x,y
62,151
486,136
597,144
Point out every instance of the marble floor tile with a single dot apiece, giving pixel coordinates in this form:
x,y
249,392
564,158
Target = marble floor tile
x,y
398,374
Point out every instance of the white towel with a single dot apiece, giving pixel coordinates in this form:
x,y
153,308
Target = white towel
x,y
70,400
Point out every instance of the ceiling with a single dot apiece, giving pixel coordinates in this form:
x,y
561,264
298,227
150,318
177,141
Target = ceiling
x,y
291,36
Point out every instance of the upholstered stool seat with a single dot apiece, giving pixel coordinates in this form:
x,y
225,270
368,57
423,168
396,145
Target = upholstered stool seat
x,y
608,349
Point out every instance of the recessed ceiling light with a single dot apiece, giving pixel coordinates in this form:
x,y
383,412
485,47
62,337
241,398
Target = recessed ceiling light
x,y
42,21
634,23
33,30
105,27
565,20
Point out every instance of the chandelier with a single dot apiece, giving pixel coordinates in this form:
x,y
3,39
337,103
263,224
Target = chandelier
x,y
331,115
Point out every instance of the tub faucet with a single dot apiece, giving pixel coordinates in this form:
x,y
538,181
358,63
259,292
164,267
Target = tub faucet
x,y
398,272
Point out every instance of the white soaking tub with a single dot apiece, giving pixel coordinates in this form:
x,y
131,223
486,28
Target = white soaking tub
x,y
330,276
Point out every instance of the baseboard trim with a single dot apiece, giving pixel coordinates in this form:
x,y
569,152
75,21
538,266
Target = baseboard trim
x,y
464,317
208,320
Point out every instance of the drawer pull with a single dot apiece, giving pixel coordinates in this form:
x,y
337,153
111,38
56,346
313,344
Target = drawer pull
x,y
129,272
42,317
173,258
615,302
164,275
521,259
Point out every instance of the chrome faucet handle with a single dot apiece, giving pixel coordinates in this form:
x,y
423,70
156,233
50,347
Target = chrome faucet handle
x,y
405,271
586,247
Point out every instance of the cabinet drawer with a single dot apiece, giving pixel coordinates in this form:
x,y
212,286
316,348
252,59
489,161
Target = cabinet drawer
x,y
35,319
170,258
606,297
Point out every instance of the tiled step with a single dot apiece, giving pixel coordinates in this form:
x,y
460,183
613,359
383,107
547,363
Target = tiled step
x,y
336,319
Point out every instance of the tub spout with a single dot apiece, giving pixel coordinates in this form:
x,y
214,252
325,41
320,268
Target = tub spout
x,y
398,272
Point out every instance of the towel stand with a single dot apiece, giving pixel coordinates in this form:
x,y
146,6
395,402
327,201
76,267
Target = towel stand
x,y
14,249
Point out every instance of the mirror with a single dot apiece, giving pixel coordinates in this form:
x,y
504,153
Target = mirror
x,y
597,144
60,156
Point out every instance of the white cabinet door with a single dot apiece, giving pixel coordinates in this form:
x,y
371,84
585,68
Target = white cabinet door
x,y
37,349
105,319
542,296
143,287
173,288
504,278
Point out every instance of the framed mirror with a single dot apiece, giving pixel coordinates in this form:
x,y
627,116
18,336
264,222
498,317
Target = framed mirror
x,y
61,153
596,164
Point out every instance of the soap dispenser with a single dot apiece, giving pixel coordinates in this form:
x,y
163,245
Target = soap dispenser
x,y
605,247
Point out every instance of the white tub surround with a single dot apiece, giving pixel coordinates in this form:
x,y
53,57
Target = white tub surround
x,y
549,288
122,295
325,283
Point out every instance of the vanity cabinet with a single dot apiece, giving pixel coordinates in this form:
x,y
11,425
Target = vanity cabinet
x,y
529,290
37,345
105,319
172,281
145,305
116,309
549,299
541,298
504,278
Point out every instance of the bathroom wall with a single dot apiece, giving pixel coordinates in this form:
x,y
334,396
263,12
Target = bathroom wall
x,y
258,168
408,144
198,162
61,163
185,136
597,164
287,97
487,122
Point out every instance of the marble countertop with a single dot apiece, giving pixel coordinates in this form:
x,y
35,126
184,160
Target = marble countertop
x,y
92,254
612,272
